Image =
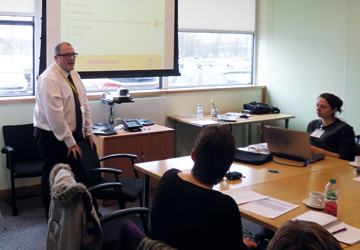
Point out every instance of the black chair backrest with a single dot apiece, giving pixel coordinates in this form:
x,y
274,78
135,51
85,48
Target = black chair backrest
x,y
89,161
21,139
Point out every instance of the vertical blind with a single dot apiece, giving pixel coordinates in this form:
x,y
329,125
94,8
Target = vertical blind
x,y
216,15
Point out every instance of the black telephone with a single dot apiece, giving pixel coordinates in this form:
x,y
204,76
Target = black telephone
x,y
132,125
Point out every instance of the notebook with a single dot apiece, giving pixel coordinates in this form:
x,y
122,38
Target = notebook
x,y
223,118
290,144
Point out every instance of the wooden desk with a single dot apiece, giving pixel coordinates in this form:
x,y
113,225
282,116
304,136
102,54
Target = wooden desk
x,y
152,143
292,184
297,188
253,174
240,121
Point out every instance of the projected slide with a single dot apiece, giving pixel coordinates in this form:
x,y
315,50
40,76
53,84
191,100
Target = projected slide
x,y
112,35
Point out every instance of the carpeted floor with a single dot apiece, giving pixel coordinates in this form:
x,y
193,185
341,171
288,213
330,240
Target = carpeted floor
x,y
28,230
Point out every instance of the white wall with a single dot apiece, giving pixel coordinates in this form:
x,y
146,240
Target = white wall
x,y
306,48
155,108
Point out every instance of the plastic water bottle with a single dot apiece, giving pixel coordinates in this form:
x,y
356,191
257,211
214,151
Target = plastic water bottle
x,y
200,112
331,195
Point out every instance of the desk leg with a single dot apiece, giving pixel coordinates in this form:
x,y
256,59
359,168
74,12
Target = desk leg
x,y
175,139
146,190
250,135
286,123
2,221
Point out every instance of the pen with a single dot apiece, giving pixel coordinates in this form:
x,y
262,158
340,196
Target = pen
x,y
339,231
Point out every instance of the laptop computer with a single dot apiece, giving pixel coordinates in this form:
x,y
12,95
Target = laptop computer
x,y
223,118
290,144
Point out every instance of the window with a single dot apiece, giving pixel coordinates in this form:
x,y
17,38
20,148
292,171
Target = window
x,y
112,84
208,59
16,55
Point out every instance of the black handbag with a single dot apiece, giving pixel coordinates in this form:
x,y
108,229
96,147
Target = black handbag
x,y
261,108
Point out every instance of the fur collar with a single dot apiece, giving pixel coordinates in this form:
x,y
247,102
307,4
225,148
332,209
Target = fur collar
x,y
66,191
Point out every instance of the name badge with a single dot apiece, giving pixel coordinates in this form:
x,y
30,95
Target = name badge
x,y
317,133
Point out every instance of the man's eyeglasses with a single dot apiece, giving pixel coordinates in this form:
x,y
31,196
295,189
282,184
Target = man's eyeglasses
x,y
68,55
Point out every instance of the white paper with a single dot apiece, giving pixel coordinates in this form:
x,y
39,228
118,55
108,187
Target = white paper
x,y
269,207
318,217
204,122
243,195
351,236
357,178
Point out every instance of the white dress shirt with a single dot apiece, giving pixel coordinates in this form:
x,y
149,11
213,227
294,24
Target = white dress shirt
x,y
55,105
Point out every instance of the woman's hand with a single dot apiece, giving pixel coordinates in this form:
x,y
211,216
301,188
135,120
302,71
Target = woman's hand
x,y
316,150
250,244
320,151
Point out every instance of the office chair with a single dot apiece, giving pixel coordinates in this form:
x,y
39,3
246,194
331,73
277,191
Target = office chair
x,y
131,237
111,222
116,236
131,188
357,144
22,156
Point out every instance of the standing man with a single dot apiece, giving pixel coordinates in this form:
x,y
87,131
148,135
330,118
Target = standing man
x,y
61,117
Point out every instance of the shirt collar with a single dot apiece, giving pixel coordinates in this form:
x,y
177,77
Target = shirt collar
x,y
63,71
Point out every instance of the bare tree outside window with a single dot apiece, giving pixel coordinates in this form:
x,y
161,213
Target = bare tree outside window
x,y
207,59
16,56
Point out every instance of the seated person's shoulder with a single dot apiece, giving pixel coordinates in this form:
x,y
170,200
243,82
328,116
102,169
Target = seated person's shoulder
x,y
172,172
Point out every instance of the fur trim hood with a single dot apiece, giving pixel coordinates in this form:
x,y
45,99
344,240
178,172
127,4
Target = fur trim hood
x,y
65,191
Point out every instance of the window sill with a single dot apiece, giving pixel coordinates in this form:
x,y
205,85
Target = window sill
x,y
97,95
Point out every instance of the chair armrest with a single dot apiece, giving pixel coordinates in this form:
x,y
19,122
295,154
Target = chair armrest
x,y
125,212
114,171
7,149
130,156
102,186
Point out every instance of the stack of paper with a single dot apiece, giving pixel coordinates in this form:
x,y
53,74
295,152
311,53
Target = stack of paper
x,y
260,204
341,231
204,122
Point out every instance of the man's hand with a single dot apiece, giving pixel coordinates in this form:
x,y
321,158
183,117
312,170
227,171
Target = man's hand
x,y
75,150
92,143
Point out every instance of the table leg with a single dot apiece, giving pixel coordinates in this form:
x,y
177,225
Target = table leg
x,y
146,190
286,123
250,135
2,221
175,139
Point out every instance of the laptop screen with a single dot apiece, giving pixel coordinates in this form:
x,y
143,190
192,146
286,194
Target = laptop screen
x,y
287,143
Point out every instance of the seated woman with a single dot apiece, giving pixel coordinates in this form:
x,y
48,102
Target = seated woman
x,y
300,235
329,135
186,213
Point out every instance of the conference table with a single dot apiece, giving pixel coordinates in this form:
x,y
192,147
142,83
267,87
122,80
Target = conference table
x,y
287,183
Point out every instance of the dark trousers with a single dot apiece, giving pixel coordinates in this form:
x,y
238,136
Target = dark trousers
x,y
52,152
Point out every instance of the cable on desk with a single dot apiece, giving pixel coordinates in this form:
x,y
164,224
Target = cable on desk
x,y
306,164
